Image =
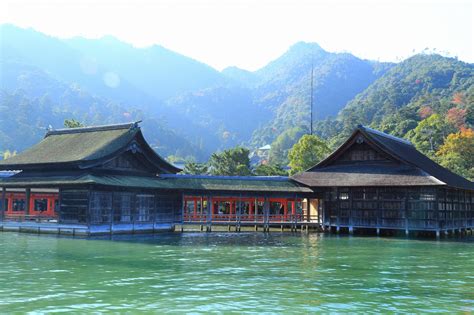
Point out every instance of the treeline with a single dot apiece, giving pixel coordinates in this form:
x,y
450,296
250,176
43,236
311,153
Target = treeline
x,y
308,151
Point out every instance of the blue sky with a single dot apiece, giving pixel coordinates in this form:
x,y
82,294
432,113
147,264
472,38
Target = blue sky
x,y
250,33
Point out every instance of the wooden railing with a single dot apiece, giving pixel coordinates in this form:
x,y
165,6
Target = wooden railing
x,y
29,218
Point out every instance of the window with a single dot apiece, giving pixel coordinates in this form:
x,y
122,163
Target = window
x,y
145,205
19,204
101,207
343,196
125,207
41,205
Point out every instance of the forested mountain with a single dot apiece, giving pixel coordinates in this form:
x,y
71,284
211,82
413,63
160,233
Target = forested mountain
x,y
393,102
191,110
38,102
337,78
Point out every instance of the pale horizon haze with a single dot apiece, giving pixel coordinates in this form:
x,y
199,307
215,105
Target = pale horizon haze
x,y
249,34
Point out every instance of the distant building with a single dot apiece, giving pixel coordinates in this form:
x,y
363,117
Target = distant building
x,y
261,155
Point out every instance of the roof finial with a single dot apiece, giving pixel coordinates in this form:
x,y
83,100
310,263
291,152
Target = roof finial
x,y
135,124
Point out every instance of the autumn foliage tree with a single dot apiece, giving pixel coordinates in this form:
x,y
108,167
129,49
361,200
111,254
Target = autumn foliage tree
x,y
425,112
457,153
457,117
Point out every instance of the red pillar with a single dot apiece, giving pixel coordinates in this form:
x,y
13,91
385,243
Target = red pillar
x,y
285,209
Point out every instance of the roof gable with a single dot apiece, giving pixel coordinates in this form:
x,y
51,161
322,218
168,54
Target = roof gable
x,y
403,165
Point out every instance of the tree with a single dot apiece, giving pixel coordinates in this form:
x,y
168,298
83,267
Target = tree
x,y
193,168
457,153
8,154
270,170
457,117
283,143
230,162
72,123
430,133
425,112
307,152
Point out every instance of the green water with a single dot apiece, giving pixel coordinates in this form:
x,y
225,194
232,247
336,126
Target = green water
x,y
235,273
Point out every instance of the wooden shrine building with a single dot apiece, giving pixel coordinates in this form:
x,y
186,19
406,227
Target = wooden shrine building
x,y
377,181
107,179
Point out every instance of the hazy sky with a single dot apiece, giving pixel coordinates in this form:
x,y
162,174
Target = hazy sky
x,y
250,33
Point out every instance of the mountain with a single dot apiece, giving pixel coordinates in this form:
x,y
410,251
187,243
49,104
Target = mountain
x,y
158,71
392,103
62,62
38,102
285,86
190,109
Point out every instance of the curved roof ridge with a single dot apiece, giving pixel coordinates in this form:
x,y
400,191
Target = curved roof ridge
x,y
62,131
236,177
383,134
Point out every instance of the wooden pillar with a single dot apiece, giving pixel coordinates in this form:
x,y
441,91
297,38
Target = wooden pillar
x,y
183,208
308,209
251,210
437,212
2,203
256,209
195,208
266,210
406,212
209,210
27,201
285,209
201,208
337,211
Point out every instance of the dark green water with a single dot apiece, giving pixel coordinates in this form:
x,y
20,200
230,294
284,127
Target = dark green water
x,y
235,273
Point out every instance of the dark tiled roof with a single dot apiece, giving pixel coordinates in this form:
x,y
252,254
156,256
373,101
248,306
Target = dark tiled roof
x,y
182,182
81,146
367,175
410,167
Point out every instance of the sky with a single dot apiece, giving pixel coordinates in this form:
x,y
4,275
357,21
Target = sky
x,y
250,33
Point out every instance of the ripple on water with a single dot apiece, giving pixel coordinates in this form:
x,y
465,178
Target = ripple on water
x,y
248,272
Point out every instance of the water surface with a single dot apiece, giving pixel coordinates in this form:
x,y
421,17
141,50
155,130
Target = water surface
x,y
246,272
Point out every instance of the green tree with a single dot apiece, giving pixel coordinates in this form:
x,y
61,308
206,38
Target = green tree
x,y
430,133
270,170
283,143
72,123
307,152
230,162
193,168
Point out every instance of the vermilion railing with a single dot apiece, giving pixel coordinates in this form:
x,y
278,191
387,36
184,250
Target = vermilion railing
x,y
247,218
